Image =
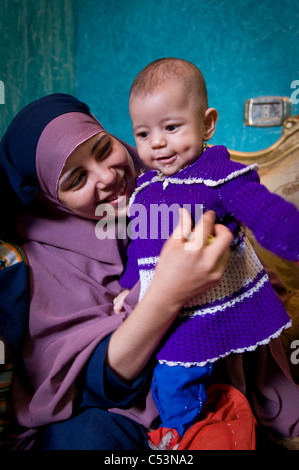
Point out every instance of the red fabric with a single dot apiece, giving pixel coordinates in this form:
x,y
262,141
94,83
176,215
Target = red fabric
x,y
228,424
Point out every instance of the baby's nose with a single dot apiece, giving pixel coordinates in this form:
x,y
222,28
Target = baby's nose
x,y
158,140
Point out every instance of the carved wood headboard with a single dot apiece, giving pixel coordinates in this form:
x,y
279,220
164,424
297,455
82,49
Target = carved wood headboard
x,y
279,172
279,163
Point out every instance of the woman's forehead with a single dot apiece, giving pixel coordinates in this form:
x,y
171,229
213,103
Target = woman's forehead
x,y
80,154
88,147
58,140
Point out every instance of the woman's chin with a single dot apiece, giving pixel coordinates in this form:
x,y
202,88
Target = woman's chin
x,y
112,210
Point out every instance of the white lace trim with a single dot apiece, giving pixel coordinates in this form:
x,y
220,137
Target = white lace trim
x,y
208,182
231,303
152,260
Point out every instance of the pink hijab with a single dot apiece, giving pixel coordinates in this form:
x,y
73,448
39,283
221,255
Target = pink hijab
x,y
74,277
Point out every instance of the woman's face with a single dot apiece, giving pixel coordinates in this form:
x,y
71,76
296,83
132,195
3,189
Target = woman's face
x,y
99,171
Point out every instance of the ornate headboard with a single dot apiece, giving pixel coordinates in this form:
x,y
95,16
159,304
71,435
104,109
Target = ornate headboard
x,y
279,172
279,163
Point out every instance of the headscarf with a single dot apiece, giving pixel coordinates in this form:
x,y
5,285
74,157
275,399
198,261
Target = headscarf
x,y
73,275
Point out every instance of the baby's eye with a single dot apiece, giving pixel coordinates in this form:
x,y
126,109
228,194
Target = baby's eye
x,y
142,135
172,127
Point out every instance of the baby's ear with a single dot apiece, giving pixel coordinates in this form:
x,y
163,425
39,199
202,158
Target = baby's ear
x,y
210,121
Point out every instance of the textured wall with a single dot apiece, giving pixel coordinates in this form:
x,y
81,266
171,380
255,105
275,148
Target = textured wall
x,y
37,51
245,49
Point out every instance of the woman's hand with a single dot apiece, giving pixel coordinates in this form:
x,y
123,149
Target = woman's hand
x,y
190,262
187,267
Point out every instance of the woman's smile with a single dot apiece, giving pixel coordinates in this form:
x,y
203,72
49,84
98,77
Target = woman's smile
x,y
99,171
120,190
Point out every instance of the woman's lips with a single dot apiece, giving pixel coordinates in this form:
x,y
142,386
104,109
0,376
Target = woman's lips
x,y
117,194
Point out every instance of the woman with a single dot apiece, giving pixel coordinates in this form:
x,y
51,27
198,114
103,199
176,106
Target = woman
x,y
82,360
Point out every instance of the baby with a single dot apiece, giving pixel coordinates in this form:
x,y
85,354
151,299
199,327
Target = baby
x,y
171,123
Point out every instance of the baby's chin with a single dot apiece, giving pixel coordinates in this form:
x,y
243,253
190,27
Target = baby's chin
x,y
170,169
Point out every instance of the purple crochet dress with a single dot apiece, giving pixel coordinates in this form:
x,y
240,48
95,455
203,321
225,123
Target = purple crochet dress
x,y
243,311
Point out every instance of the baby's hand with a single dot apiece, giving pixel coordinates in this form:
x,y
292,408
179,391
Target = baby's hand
x,y
118,302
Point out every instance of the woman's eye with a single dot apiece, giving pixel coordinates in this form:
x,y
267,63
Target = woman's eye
x,y
77,181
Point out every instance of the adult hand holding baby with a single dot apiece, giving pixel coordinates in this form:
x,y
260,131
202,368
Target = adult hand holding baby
x,y
195,263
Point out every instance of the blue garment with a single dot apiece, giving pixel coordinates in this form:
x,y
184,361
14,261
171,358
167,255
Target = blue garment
x,y
93,429
180,393
92,426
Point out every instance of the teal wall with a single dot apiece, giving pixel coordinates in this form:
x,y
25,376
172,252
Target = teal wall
x,y
94,49
37,52
245,49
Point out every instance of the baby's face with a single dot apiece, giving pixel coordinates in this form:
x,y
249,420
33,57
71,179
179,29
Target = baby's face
x,y
168,128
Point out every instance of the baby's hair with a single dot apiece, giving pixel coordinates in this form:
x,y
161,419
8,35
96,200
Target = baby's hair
x,y
158,72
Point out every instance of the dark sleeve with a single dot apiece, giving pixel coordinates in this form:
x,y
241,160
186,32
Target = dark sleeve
x,y
103,389
274,221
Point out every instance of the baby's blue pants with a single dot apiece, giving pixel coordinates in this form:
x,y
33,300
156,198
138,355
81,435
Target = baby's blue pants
x,y
180,393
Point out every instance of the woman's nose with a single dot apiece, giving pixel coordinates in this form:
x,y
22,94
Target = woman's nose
x,y
105,177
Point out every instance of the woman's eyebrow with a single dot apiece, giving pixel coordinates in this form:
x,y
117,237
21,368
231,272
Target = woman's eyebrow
x,y
97,143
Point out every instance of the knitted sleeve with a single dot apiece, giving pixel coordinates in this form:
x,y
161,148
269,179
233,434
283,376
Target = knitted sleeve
x,y
274,221
131,274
